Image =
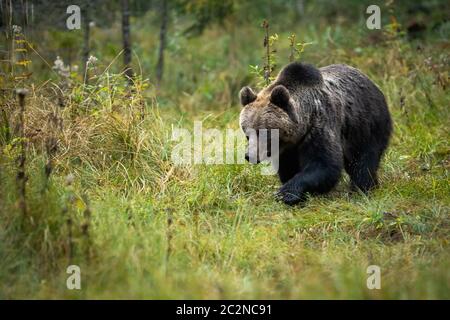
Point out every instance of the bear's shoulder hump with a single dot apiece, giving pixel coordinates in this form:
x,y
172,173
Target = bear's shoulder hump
x,y
299,74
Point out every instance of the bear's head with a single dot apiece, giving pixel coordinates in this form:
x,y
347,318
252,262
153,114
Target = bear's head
x,y
272,108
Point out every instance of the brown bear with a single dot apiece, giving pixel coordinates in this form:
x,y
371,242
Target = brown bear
x,y
328,119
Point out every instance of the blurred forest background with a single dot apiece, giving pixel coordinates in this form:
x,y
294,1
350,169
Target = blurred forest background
x,y
85,134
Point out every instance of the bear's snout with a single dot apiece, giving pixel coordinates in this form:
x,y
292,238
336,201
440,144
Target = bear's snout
x,y
253,160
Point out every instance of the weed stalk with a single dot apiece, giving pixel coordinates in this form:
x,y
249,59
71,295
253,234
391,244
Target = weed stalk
x,y
169,237
21,173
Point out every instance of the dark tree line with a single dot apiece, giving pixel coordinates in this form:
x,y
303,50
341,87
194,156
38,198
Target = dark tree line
x,y
36,15
52,14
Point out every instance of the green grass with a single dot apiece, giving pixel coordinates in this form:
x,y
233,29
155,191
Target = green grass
x,y
160,231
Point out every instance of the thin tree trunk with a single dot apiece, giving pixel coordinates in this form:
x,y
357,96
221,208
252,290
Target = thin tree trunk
x,y
126,39
9,35
3,29
1,16
25,14
86,36
162,41
300,8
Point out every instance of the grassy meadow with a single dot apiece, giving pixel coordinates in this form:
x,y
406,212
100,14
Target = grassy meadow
x,y
101,191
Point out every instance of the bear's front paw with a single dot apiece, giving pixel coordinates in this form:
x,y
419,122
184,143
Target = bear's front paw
x,y
288,196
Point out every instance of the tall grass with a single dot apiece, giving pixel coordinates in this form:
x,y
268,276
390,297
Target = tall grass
x,y
103,194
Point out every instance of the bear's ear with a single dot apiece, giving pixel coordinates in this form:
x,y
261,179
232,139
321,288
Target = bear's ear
x,y
247,96
280,97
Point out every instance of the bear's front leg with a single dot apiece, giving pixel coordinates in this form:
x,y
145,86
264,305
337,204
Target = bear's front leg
x,y
314,178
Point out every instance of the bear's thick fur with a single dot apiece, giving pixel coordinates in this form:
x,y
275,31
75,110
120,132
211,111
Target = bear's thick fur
x,y
328,119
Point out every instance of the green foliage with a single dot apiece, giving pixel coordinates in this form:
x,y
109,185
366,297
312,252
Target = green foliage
x,y
227,238
205,12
